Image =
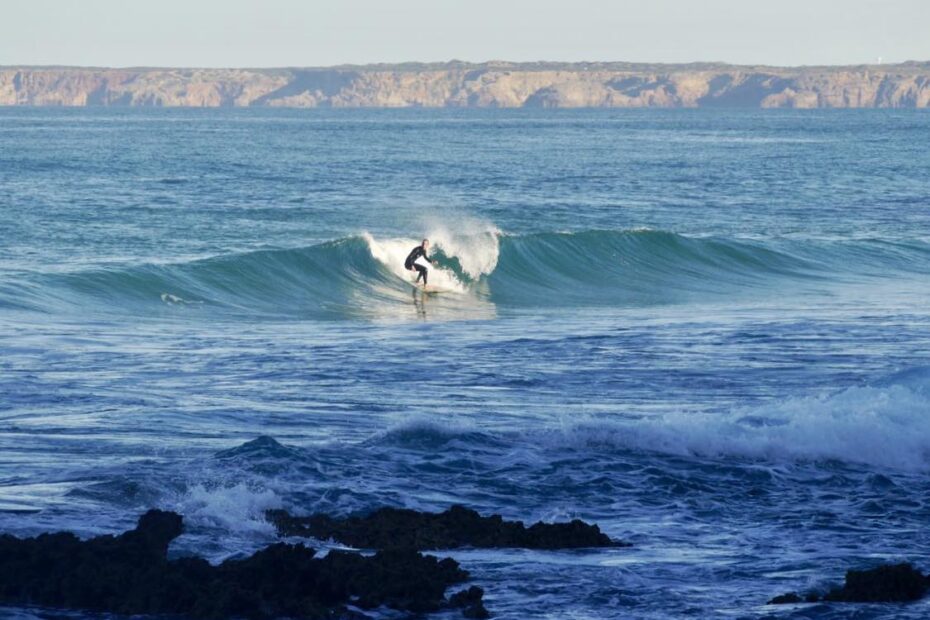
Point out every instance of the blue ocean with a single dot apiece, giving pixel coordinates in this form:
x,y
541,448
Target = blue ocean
x,y
706,331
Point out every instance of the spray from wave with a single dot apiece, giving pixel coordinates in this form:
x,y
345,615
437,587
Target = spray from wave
x,y
464,256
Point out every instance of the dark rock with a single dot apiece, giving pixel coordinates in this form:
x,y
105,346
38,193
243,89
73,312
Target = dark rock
x,y
466,597
476,611
889,583
389,528
130,574
784,599
470,601
154,532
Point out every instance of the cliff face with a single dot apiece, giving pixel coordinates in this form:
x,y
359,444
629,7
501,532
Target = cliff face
x,y
486,85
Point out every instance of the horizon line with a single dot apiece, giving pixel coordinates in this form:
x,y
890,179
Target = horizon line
x,y
466,63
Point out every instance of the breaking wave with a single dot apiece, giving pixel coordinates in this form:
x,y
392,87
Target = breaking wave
x,y
883,424
363,276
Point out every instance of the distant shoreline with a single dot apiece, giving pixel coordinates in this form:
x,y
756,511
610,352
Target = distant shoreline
x,y
480,85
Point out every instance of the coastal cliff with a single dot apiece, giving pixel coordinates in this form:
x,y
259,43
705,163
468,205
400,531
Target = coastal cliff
x,y
495,84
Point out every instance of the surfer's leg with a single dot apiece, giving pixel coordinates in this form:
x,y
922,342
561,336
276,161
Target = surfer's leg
x,y
421,272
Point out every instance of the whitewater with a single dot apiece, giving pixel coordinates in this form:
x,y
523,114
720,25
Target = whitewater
x,y
705,331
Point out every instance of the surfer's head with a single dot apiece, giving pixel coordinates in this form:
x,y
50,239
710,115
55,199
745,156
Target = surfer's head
x,y
425,243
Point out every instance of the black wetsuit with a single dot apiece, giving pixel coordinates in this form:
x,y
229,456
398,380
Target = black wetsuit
x,y
410,265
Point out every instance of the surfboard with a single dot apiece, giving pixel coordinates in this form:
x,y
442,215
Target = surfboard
x,y
429,288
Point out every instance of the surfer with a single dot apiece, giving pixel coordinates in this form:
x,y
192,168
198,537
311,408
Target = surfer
x,y
413,261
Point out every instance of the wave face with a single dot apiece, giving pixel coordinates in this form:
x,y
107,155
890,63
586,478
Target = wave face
x,y
363,276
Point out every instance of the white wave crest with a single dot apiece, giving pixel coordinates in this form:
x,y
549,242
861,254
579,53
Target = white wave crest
x,y
476,247
474,243
885,425
235,508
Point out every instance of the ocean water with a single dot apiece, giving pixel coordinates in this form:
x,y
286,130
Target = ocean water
x,y
706,331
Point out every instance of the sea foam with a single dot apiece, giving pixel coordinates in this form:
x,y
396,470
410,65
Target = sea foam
x,y
885,424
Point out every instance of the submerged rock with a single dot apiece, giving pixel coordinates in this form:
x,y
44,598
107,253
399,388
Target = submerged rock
x,y
390,528
130,574
889,583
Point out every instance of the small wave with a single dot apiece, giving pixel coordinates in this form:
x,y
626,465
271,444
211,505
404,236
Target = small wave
x,y
263,447
419,433
885,424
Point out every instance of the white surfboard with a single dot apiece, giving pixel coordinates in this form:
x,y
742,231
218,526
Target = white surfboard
x,y
415,274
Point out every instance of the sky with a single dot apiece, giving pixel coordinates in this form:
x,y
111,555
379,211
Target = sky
x,y
279,33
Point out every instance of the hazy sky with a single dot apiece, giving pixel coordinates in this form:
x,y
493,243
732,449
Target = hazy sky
x,y
252,33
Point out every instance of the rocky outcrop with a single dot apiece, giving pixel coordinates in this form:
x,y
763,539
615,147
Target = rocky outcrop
x,y
889,583
495,84
393,528
130,574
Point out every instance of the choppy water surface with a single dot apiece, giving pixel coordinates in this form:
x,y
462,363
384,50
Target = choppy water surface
x,y
706,331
